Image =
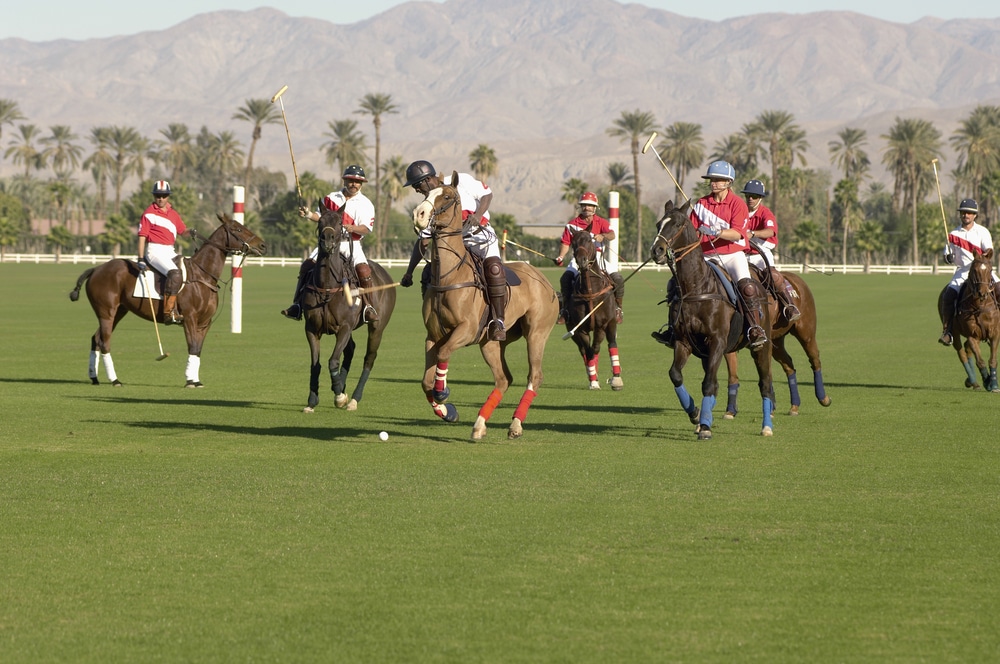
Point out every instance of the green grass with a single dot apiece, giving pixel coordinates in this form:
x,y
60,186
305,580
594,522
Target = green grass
x,y
154,523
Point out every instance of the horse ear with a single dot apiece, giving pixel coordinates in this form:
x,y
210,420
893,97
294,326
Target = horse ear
x,y
686,208
223,217
988,255
668,207
454,178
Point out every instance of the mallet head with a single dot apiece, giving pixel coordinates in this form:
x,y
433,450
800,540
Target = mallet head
x,y
278,94
652,137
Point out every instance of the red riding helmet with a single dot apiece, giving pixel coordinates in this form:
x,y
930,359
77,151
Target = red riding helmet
x,y
589,198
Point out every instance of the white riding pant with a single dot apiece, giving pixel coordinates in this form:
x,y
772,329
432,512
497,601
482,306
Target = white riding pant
x,y
161,257
735,264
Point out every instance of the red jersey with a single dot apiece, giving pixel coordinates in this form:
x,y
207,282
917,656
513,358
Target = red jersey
x,y
707,215
161,225
760,219
598,226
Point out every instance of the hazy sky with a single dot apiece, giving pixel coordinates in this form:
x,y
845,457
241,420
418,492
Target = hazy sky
x,y
44,20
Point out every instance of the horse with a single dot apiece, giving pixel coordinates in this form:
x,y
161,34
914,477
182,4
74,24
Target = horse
x,y
455,314
978,319
111,289
708,323
590,313
328,307
803,329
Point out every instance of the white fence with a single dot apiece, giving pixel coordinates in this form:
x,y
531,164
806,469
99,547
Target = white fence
x,y
286,261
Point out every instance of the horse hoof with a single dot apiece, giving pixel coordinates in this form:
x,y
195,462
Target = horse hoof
x,y
825,401
704,433
477,433
308,409
352,405
616,383
340,400
794,410
766,431
118,383
451,413
695,416
193,383
515,430
729,415
94,381
594,385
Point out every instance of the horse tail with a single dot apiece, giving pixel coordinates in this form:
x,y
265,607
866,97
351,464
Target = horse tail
x,y
74,294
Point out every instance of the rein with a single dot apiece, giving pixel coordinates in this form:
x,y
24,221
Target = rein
x,y
463,259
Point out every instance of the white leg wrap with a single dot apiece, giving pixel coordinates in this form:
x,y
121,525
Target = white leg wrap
x,y
109,367
193,365
92,369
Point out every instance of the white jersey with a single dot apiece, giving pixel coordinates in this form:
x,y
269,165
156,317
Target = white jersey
x,y
357,210
481,239
965,245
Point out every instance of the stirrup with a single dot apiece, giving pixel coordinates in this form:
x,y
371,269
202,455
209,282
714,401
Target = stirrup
x,y
369,315
619,315
792,313
760,340
497,331
172,318
945,339
294,312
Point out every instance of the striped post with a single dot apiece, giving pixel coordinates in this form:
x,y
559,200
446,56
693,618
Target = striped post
x,y
611,255
236,322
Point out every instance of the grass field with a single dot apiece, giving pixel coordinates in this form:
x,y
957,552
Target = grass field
x,y
153,523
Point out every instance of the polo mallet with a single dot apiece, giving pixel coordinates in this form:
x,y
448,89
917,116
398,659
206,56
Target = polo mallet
x,y
537,253
149,296
944,217
295,172
649,144
349,294
577,326
636,270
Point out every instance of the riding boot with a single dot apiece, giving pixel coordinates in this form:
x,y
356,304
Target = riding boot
x,y
295,311
665,335
750,291
566,293
365,281
619,288
946,309
785,293
496,292
173,286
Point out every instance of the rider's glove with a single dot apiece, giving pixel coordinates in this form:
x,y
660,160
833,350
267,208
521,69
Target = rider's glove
x,y
949,259
406,281
142,265
558,260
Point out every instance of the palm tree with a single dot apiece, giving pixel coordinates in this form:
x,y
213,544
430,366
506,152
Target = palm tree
x,y
845,195
573,189
376,105
740,149
848,155
346,145
912,143
101,164
24,151
683,149
784,140
258,112
806,240
9,113
869,237
395,175
483,161
977,142
620,177
122,143
63,154
633,126
176,151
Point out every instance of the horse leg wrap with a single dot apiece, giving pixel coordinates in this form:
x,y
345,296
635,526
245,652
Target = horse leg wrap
x,y
441,390
191,371
592,368
734,391
491,403
109,366
707,404
768,408
687,401
818,382
616,366
524,404
92,368
793,388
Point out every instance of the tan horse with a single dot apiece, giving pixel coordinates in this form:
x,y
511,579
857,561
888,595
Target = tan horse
x,y
455,314
111,287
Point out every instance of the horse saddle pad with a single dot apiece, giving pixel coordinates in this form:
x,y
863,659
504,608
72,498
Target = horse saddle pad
x,y
147,285
727,283
512,278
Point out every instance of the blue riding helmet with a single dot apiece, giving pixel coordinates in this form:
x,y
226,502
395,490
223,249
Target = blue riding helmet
x,y
354,172
720,170
969,205
754,188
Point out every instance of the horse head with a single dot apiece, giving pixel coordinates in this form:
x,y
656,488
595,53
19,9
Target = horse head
x,y
440,200
233,237
981,275
673,230
583,248
330,230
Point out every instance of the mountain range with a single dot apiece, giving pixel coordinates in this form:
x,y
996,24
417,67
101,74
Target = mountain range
x,y
540,83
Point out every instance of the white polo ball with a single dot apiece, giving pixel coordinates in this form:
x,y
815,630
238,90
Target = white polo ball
x,y
384,435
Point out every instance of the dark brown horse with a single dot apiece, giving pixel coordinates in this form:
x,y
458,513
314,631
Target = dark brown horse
x,y
708,324
455,314
804,330
111,287
977,319
330,308
590,313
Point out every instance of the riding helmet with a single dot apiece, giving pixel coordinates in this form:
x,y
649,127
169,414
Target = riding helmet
x,y
754,188
968,205
354,172
589,198
720,170
419,171
161,188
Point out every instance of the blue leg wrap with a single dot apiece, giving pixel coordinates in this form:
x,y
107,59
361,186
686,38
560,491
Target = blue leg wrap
x,y
818,380
687,403
707,404
768,407
793,388
734,390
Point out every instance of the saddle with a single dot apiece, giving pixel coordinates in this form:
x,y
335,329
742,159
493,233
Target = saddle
x,y
151,282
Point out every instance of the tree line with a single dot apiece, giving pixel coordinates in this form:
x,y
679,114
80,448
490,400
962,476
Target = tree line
x,y
820,219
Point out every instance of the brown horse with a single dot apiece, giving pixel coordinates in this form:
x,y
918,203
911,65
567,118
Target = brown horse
x,y
328,308
977,319
111,287
804,330
455,314
590,313
708,323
